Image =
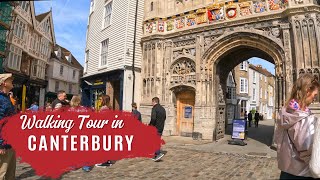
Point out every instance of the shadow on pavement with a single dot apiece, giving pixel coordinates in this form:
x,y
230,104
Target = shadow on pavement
x,y
263,134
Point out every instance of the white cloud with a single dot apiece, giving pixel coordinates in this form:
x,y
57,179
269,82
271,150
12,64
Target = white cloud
x,y
70,22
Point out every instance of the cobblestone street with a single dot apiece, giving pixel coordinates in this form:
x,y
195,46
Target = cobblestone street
x,y
178,164
188,159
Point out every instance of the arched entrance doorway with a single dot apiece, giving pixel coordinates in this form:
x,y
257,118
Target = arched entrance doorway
x,y
185,112
230,50
184,102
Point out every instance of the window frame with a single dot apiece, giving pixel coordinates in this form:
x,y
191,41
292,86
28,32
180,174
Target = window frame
x,y
101,65
61,70
110,4
92,5
86,61
14,58
245,85
243,66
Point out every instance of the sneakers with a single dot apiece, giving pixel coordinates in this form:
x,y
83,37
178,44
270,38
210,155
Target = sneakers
x,y
158,157
104,165
86,168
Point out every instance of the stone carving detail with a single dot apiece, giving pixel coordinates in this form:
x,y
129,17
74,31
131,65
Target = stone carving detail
x,y
183,52
271,31
184,43
318,19
208,41
286,40
159,44
183,72
275,32
220,95
184,67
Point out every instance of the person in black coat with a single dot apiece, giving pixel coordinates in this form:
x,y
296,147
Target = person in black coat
x,y
256,119
250,118
158,118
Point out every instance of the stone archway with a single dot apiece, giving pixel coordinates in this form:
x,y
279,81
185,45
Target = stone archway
x,y
231,49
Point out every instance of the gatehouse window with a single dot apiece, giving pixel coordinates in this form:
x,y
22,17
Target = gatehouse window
x,y
151,6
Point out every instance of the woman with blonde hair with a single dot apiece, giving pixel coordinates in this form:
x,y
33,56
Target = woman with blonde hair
x,y
295,130
75,106
75,101
105,105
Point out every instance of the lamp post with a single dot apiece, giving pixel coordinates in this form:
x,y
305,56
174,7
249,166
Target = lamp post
x,y
134,51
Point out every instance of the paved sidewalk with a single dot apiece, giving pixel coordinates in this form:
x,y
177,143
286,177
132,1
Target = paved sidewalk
x,y
258,142
191,159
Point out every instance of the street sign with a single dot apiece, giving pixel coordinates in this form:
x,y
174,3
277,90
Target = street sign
x,y
238,129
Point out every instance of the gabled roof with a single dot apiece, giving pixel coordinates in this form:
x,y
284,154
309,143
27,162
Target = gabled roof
x,y
43,16
64,52
261,70
40,17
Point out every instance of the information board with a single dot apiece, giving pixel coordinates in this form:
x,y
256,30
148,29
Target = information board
x,y
238,128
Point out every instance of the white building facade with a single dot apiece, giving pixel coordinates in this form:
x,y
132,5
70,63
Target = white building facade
x,y
63,73
109,67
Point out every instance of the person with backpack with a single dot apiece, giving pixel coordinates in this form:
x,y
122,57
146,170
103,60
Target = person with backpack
x,y
294,134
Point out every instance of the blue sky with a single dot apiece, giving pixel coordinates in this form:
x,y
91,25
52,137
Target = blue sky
x,y
70,21
265,64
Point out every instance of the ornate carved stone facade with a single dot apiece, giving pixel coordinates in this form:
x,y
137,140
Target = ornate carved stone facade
x,y
198,55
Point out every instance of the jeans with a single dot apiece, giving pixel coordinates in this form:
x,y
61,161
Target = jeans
x,y
158,151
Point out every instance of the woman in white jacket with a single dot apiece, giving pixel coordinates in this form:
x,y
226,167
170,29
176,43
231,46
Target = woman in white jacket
x,y
295,130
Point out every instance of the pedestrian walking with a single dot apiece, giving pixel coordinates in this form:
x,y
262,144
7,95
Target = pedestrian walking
x,y
7,154
61,101
256,119
250,118
75,106
105,105
135,112
158,118
295,130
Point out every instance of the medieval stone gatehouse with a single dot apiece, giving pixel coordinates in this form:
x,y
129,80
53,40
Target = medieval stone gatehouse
x,y
190,46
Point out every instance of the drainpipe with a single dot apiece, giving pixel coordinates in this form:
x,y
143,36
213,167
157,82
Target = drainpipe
x,y
134,50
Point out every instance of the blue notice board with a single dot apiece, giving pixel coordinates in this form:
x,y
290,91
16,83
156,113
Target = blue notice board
x,y
188,112
238,128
